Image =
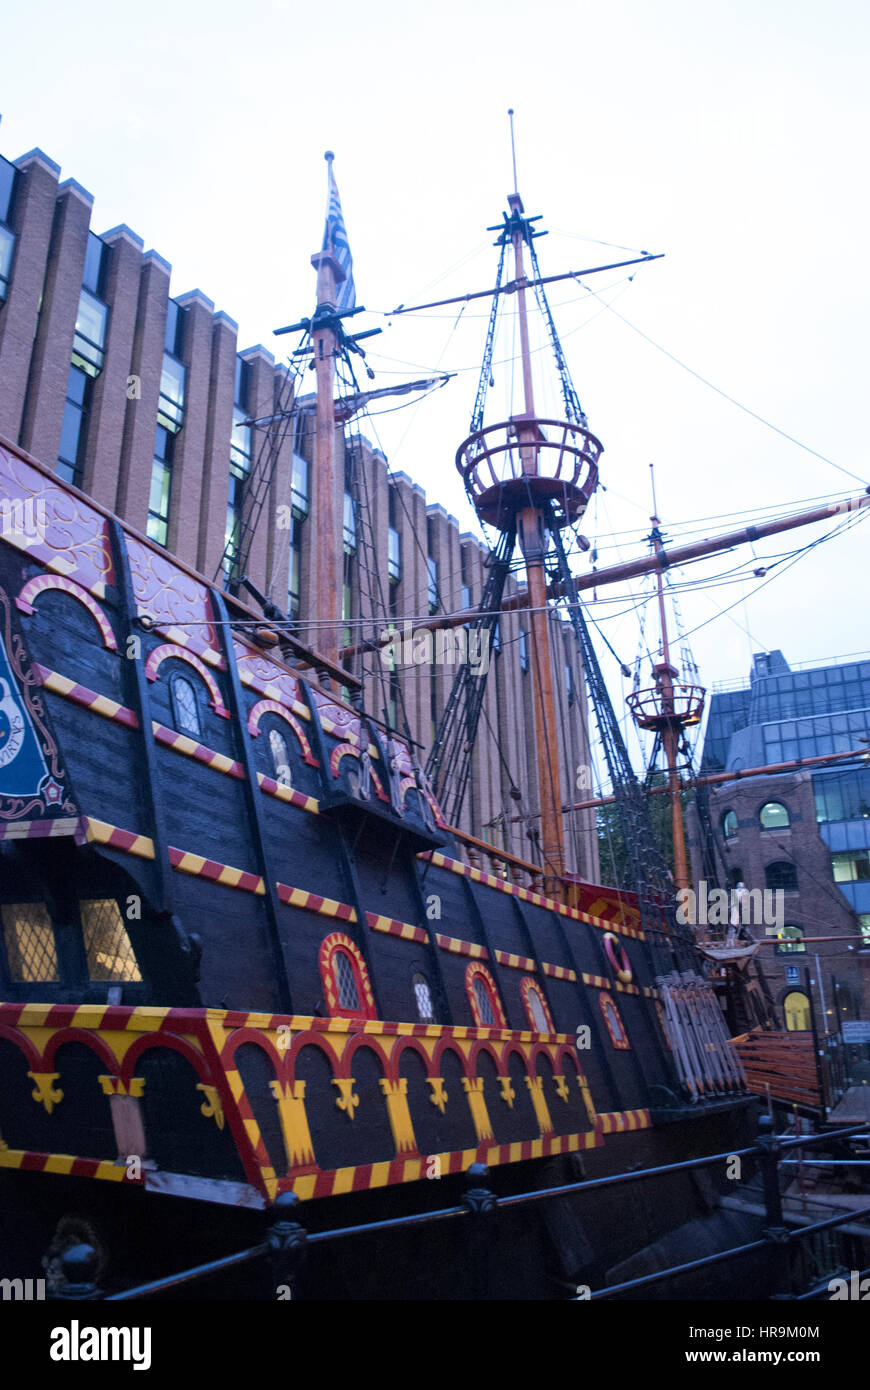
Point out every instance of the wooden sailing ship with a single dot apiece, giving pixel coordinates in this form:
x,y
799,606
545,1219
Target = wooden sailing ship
x,y
259,960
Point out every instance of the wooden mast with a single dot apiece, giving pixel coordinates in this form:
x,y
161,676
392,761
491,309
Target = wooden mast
x,y
532,534
328,551
670,732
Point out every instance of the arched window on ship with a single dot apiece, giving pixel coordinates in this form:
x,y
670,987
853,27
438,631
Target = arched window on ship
x,y
185,706
280,757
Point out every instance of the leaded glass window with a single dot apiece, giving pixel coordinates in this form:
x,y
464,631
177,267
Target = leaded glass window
x,y
484,1003
107,945
186,707
30,946
423,997
348,994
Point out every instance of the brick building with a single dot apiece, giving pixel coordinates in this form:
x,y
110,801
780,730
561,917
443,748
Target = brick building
x,y
805,832
141,398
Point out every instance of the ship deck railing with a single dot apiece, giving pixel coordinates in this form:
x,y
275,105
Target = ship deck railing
x,y
287,1242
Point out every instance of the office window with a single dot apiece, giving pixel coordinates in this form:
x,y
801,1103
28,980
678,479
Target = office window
x,y
299,487
782,874
465,592
7,247
90,335
93,314
842,795
7,188
31,953
792,974
170,407
161,486
729,825
394,555
74,429
240,440
864,924
851,866
93,276
774,816
432,569
790,941
349,525
294,575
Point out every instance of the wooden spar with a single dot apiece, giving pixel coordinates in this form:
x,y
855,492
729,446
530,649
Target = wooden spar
x,y
716,778
647,564
670,730
533,542
328,550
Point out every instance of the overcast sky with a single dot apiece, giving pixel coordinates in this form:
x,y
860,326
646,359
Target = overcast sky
x,y
731,136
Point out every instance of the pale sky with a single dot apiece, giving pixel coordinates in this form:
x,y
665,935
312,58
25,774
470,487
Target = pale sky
x,y
731,136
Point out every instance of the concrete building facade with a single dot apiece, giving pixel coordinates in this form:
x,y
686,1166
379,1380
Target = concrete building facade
x,y
144,400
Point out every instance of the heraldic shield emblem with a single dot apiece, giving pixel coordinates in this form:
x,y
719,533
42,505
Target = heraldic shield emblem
x,y
31,778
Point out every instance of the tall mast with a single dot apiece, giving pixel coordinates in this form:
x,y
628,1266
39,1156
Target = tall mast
x,y
327,551
521,479
669,710
532,533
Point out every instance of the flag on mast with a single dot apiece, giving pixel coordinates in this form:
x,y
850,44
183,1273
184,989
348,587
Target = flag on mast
x,y
335,240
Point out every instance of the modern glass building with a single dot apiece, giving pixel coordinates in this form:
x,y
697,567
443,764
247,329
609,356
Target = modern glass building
x,y
805,832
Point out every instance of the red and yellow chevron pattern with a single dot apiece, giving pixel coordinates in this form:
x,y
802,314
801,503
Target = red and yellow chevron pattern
x,y
284,793
225,874
181,743
406,930
559,972
314,902
621,1121
456,866
515,962
88,699
461,948
99,832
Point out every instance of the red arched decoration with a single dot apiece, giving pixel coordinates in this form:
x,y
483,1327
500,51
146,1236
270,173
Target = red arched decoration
x,y
476,972
334,944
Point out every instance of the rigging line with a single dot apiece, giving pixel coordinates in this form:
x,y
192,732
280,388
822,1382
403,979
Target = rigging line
x,y
689,527
419,402
860,516
724,394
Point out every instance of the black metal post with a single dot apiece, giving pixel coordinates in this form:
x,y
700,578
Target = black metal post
x,y
79,1265
288,1245
480,1203
774,1229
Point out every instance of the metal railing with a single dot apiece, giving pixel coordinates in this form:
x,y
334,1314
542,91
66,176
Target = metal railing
x,y
287,1242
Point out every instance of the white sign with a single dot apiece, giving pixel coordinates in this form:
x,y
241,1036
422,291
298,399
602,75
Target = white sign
x,y
856,1032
